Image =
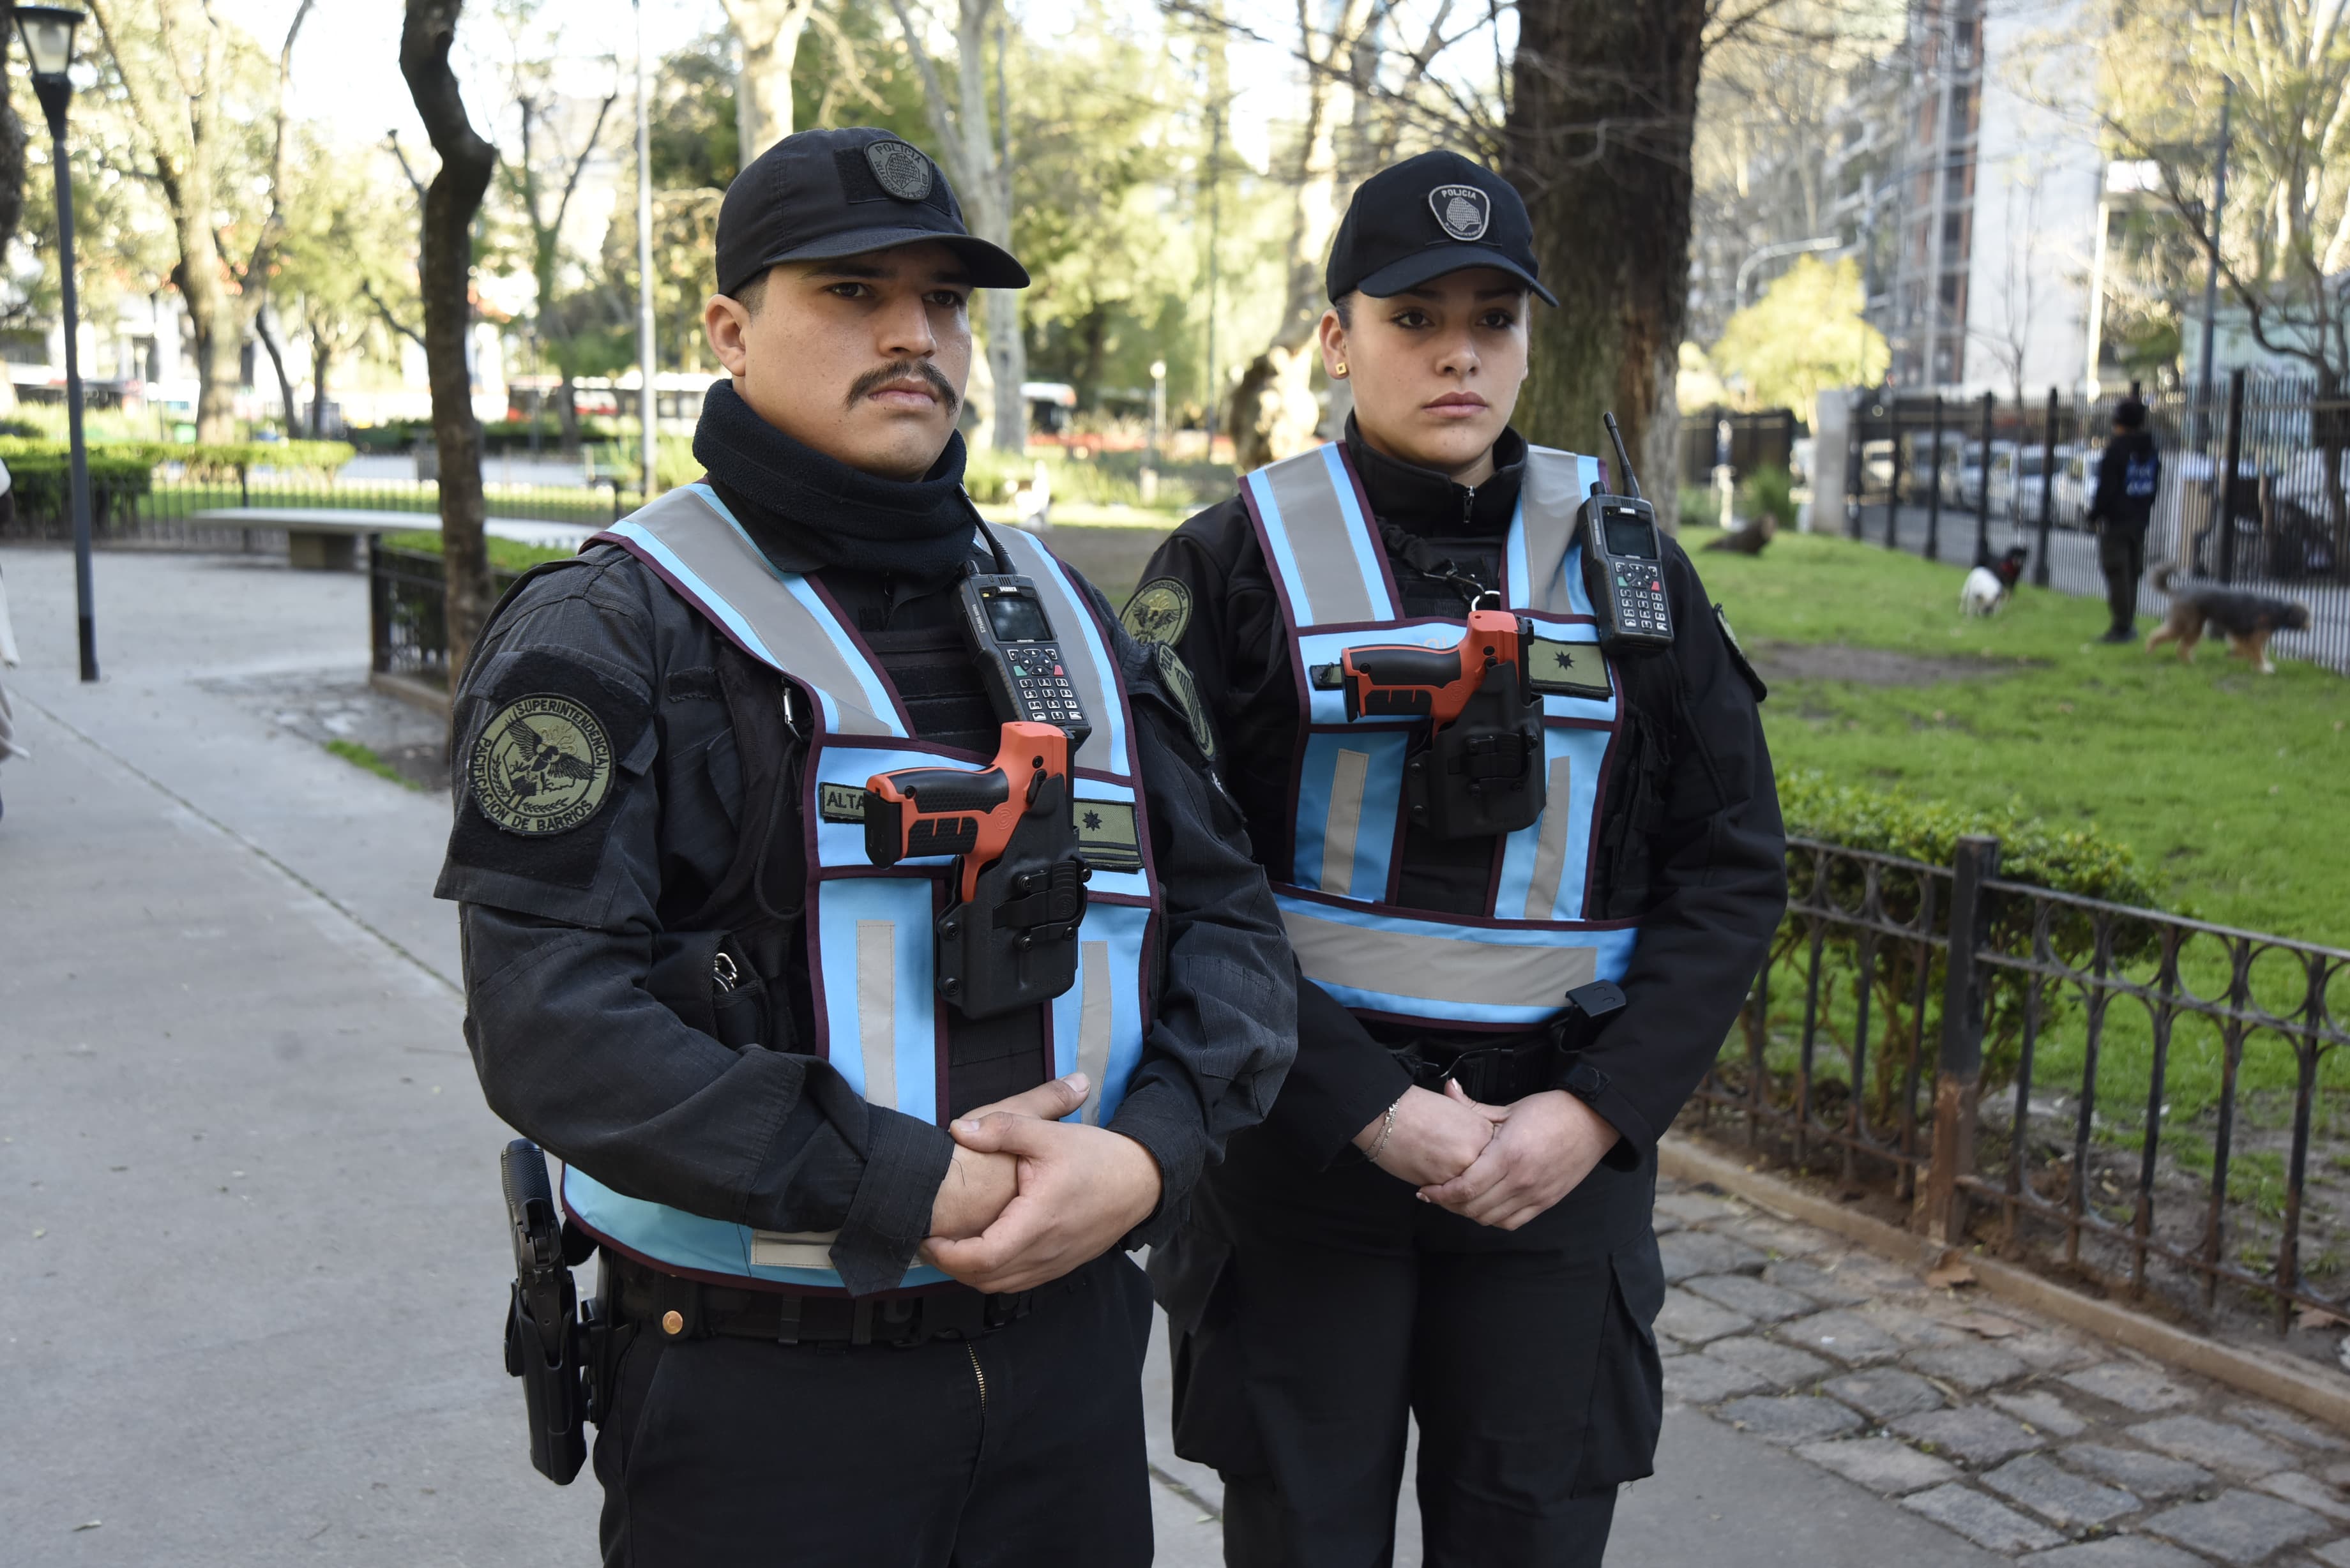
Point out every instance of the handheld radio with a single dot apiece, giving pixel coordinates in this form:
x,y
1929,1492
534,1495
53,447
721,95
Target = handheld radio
x,y
1008,939
1477,776
1019,657
1623,562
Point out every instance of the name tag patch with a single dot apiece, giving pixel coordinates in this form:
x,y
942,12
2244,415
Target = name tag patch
x,y
840,803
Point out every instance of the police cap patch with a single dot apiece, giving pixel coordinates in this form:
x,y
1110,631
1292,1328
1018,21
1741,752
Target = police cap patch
x,y
900,169
542,765
1159,611
1463,211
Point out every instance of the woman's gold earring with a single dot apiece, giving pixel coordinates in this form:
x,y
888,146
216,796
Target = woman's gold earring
x,y
1341,371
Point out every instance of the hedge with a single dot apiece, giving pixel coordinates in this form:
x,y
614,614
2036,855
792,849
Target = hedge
x,y
510,556
2079,861
42,485
217,461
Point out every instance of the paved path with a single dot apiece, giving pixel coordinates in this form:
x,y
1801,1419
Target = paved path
x,y
251,1292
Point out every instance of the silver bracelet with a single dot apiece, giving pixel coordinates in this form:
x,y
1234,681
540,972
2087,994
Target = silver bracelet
x,y
1387,1131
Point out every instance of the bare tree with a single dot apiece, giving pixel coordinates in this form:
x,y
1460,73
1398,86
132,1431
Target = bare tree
x,y
260,268
1273,409
2010,338
767,32
979,162
445,280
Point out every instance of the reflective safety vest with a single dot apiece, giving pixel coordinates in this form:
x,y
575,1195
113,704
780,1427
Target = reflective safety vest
x,y
1508,966
870,956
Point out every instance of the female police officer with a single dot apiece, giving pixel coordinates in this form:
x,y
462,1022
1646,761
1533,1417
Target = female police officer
x,y
1384,1242
704,971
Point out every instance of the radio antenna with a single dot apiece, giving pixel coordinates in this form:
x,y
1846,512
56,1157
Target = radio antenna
x,y
1631,482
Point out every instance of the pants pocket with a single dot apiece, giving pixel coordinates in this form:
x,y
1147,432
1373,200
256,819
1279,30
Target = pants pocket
x,y
1208,1362
1627,1390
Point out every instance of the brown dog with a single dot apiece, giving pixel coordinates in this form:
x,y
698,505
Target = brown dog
x,y
2247,619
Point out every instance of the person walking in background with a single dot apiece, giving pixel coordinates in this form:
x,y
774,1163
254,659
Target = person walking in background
x,y
2130,476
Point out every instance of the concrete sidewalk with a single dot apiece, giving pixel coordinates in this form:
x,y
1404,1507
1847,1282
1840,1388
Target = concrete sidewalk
x,y
254,1283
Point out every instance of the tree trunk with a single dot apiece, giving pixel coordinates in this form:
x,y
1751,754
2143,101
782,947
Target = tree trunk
x,y
768,33
212,312
321,357
1273,414
1603,107
277,363
443,276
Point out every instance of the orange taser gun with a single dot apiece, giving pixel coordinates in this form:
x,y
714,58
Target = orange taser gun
x,y
1008,939
1477,771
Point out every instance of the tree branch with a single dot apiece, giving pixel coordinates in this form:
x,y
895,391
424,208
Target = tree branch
x,y
367,287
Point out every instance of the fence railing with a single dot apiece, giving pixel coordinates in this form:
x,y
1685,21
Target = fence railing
x,y
158,511
2122,1094
1964,481
408,627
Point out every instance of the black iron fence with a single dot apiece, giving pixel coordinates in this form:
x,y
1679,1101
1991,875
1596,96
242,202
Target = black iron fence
x,y
1762,438
408,627
132,507
2144,1100
1964,481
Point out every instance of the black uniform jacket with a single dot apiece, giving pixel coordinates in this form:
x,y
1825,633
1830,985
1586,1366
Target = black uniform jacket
x,y
2111,502
562,931
1689,840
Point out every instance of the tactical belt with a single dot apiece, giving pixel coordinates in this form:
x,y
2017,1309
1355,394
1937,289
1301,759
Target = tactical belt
x,y
648,1298
1490,1074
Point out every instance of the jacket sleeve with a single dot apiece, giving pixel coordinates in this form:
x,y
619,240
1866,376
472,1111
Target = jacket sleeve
x,y
1223,621
1719,884
1224,1022
2112,465
559,933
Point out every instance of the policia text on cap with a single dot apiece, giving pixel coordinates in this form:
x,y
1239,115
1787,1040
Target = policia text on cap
x,y
1504,765
735,800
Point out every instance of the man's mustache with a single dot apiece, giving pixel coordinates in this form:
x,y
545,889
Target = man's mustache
x,y
897,371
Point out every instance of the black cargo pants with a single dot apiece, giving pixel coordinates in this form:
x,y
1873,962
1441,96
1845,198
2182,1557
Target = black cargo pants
x,y
1315,1313
2121,554
1022,1446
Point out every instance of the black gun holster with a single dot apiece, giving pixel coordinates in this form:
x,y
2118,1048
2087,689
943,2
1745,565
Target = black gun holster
x,y
1482,773
565,1352
1015,943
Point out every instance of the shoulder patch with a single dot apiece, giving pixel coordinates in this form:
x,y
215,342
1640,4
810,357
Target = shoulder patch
x,y
1160,611
543,765
1738,654
1184,692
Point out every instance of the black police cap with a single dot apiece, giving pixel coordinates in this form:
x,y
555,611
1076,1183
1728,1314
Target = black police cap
x,y
817,194
1426,216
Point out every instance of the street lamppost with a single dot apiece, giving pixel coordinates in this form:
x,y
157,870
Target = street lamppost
x,y
48,33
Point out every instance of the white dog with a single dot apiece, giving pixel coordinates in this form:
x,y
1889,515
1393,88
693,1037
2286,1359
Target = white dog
x,y
1987,588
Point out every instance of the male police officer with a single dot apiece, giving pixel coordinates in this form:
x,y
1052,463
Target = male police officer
x,y
740,996
1382,1246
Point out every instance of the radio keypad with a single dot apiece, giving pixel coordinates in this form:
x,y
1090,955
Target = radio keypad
x,y
1041,685
1639,597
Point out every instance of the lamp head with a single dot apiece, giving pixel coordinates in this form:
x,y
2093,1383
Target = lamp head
x,y
48,33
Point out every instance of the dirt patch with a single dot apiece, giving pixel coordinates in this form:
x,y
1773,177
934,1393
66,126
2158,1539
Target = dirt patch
x,y
330,707
1784,662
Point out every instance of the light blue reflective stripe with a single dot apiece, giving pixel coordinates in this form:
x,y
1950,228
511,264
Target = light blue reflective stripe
x,y
1126,928
1382,800
1586,753
712,599
683,1241
1358,533
1101,688
905,901
1550,536
1285,556
1388,962
877,696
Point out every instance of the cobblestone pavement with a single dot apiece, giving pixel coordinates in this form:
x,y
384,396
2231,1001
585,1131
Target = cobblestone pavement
x,y
2032,1440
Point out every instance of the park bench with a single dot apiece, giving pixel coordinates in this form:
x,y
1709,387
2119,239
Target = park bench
x,y
326,538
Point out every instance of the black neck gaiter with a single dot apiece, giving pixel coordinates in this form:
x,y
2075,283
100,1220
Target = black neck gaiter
x,y
811,511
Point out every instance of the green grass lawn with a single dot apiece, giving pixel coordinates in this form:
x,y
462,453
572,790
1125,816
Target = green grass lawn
x,y
2232,787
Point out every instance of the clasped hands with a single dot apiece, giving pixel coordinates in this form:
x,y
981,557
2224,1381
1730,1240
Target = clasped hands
x,y
1029,1197
1497,1165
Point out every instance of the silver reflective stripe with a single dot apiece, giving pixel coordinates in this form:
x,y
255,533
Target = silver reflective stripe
x,y
1437,970
1342,821
792,1248
877,1009
1550,502
1320,540
1091,682
1094,1018
729,565
1550,849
